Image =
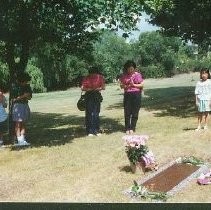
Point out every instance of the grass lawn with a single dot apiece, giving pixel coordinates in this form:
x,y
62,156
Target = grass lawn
x,y
64,165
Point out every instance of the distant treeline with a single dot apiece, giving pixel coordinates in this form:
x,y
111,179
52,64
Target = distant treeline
x,y
155,54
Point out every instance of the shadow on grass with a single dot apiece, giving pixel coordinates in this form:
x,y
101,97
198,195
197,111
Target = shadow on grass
x,y
51,129
172,101
109,125
115,106
126,169
189,129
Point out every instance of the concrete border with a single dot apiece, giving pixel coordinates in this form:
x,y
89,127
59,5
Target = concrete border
x,y
202,169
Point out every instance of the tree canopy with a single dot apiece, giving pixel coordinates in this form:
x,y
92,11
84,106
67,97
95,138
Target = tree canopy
x,y
190,20
113,51
72,24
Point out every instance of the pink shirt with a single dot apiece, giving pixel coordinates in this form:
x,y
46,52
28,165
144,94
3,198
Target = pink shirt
x,y
126,79
93,81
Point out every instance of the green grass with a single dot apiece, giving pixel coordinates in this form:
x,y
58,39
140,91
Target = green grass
x,y
64,165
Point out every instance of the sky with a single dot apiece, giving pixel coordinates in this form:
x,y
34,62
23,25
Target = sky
x,y
143,26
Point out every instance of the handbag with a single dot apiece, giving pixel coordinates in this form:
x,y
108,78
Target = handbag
x,y
81,104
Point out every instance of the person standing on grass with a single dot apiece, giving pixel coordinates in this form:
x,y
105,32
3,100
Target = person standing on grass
x,y
93,84
20,95
132,83
3,116
203,98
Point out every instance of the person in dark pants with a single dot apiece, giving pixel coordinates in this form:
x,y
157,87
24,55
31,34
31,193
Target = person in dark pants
x,y
93,84
132,83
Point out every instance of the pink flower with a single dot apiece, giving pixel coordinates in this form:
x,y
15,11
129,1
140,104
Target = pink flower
x,y
132,144
135,140
148,158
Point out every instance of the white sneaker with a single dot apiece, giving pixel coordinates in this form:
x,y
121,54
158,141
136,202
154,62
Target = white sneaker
x,y
2,144
127,132
22,143
131,131
205,127
90,134
25,143
198,128
98,134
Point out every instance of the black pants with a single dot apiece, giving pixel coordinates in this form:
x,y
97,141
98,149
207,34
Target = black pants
x,y
132,104
92,111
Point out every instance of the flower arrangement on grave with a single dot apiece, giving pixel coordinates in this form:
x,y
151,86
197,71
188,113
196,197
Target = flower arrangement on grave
x,y
138,152
204,178
144,193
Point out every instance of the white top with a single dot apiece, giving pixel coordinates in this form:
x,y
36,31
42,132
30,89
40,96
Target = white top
x,y
203,89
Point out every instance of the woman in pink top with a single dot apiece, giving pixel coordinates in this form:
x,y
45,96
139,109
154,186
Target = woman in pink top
x,y
93,84
132,83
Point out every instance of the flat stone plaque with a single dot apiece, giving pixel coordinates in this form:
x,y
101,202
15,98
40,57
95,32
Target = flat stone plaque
x,y
171,177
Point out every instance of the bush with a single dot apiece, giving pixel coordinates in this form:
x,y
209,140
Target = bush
x,y
37,83
74,69
153,71
168,63
190,65
203,63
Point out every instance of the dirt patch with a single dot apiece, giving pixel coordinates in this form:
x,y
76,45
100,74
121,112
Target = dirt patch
x,y
170,177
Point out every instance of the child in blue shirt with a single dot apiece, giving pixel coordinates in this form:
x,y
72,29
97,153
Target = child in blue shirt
x,y
3,116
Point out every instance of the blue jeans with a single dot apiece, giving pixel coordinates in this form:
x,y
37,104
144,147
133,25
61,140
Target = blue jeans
x,y
92,112
132,104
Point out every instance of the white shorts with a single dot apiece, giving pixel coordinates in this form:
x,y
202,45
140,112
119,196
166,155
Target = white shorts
x,y
204,106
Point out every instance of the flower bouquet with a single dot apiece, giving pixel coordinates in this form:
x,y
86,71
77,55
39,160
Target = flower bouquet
x,y
204,178
146,194
138,152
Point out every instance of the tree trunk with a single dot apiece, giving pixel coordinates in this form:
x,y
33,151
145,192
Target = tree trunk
x,y
15,67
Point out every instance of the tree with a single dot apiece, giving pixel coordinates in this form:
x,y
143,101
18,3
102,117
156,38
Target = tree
x,y
190,20
70,23
111,51
156,52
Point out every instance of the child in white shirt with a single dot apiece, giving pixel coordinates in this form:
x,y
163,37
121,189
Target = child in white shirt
x,y
203,98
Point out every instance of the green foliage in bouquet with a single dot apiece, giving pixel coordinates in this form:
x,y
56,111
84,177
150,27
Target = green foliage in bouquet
x,y
135,153
144,193
192,160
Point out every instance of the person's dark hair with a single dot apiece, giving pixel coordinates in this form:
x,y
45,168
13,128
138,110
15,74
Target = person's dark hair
x,y
2,89
206,70
95,69
128,64
23,77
